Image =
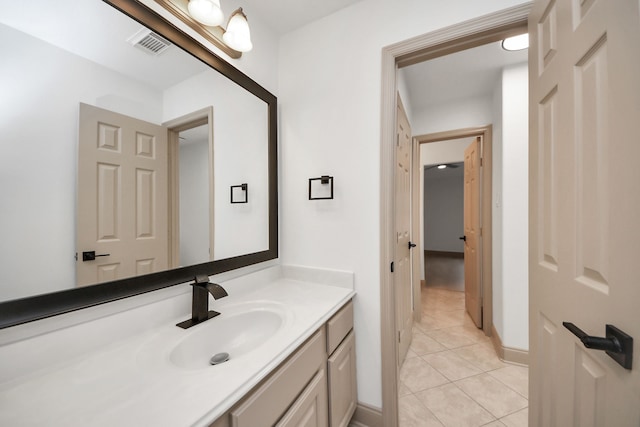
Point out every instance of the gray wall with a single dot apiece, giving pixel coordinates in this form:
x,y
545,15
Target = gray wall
x,y
444,209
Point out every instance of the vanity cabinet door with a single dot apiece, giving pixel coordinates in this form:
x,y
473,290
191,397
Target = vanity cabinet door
x,y
342,383
310,409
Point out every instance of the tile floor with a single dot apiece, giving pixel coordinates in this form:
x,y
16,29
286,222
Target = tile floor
x,y
452,376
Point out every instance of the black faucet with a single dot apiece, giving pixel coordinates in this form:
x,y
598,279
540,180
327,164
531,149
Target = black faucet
x,y
200,302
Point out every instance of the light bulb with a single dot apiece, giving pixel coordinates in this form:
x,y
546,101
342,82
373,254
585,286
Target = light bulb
x,y
238,35
516,42
206,12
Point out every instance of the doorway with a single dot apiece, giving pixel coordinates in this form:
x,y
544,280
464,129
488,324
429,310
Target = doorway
x,y
484,304
191,138
432,45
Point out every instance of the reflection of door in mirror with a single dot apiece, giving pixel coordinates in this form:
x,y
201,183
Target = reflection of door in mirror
x,y
122,197
196,244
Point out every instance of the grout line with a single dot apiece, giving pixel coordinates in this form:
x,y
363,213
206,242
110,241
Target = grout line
x,y
417,329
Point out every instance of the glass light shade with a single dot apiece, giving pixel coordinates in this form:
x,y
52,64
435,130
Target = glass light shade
x,y
206,12
516,42
238,35
442,166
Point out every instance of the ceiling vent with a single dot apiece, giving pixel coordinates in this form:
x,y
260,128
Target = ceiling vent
x,y
149,41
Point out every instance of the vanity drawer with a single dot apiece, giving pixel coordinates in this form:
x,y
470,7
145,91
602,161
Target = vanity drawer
x,y
267,404
339,326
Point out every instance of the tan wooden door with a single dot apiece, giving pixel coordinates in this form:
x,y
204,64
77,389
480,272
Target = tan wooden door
x,y
122,196
584,66
402,269
472,288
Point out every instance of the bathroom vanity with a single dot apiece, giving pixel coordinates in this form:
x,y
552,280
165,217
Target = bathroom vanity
x,y
300,365
315,386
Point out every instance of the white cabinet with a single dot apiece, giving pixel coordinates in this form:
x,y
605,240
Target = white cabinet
x,y
314,387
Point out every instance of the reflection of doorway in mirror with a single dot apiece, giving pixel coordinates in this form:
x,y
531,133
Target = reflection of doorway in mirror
x,y
193,173
191,189
122,202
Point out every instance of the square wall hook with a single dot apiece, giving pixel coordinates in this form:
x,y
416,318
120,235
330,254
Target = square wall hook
x,y
321,188
240,193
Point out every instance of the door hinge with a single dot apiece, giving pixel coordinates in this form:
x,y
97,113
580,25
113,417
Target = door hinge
x,y
392,266
480,161
480,231
398,336
397,139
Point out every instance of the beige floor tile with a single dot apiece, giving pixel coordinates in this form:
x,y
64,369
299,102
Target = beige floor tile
x,y
494,396
481,356
519,419
450,338
403,390
451,365
413,413
434,322
422,344
516,377
454,317
453,407
418,375
410,352
470,331
494,424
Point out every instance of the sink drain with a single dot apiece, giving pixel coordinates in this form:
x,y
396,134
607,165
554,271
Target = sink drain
x,y
219,358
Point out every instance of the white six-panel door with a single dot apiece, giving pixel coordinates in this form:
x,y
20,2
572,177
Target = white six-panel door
x,y
584,65
122,196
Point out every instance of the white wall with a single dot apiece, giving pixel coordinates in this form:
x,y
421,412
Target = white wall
x,y
329,93
515,207
194,202
458,114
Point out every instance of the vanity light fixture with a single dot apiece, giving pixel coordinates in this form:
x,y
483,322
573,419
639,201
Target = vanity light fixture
x,y
442,166
206,12
314,188
240,193
206,18
518,42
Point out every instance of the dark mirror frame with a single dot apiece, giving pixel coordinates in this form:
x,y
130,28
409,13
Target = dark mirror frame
x,y
23,310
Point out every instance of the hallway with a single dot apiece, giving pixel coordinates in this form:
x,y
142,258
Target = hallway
x,y
452,376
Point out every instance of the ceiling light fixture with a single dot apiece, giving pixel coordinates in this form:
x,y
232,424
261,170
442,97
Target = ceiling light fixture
x,y
206,17
442,166
519,42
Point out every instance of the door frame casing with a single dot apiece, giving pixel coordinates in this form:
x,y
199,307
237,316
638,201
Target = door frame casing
x,y
486,170
204,116
468,34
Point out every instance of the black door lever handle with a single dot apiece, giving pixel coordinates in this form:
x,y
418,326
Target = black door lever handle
x,y
91,255
411,245
617,344
463,238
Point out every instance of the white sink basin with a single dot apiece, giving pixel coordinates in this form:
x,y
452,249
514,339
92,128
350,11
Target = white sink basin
x,y
237,333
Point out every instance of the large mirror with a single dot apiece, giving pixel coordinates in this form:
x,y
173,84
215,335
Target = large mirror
x,y
131,159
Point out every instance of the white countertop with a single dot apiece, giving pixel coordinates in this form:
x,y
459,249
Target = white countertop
x,y
132,382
